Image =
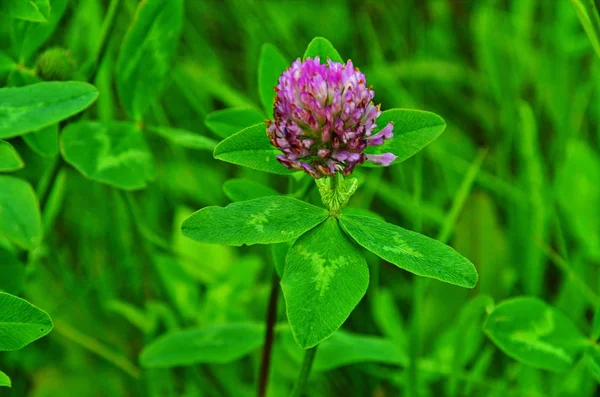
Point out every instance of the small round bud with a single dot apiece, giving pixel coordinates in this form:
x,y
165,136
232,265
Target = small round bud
x,y
56,64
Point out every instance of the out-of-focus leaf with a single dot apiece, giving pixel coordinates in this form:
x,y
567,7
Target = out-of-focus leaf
x,y
596,324
531,331
20,219
29,10
146,53
13,272
44,142
227,122
270,66
388,318
4,380
413,130
580,173
145,322
184,138
115,153
265,220
7,64
325,277
322,48
28,36
585,11
347,348
9,158
32,107
410,251
181,288
245,189
20,322
251,148
593,361
219,344
480,238
278,254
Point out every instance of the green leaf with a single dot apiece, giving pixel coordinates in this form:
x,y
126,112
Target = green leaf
x,y
9,158
535,333
346,348
7,64
13,272
219,344
278,254
587,11
580,172
593,361
20,219
251,148
44,142
325,277
35,106
30,10
245,189
271,65
146,53
181,288
20,322
410,251
227,122
28,36
413,130
184,138
4,380
265,220
115,153
322,48
596,325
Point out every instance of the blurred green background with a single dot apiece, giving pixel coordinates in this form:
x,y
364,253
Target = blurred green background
x,y
513,184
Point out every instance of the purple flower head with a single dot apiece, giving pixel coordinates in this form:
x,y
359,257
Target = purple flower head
x,y
324,119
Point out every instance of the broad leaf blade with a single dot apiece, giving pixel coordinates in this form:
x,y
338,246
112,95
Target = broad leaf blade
x,y
413,130
20,219
9,158
35,106
184,138
218,344
227,122
20,322
266,220
325,277
322,48
145,56
114,153
531,331
251,148
410,251
271,65
245,189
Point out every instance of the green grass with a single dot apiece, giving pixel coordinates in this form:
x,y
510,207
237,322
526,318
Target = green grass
x,y
513,184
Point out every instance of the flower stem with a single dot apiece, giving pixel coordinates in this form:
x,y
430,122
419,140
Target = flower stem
x,y
307,363
265,365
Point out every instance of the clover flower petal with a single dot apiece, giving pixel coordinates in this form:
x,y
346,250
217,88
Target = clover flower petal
x,y
325,118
